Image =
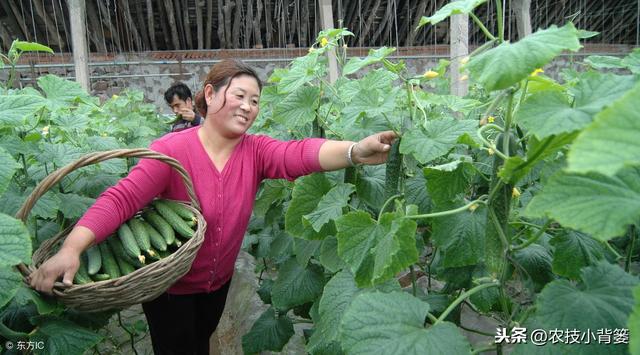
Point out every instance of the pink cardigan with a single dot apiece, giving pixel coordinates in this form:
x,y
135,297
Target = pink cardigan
x,y
226,197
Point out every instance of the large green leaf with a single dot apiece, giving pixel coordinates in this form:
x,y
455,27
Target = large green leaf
x,y
64,337
330,206
369,103
573,251
452,8
10,282
370,185
604,62
375,56
600,205
47,206
602,300
271,191
416,193
550,112
59,154
437,139
374,251
269,332
303,70
306,195
338,294
8,167
329,257
390,324
632,61
296,285
15,243
298,108
74,206
611,141
536,261
460,237
15,108
445,182
634,324
507,64
59,91
451,102
517,167
305,249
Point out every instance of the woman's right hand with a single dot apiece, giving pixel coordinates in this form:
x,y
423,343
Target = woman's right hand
x,y
64,263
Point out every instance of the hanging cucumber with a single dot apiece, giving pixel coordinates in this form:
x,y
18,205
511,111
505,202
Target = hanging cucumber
x,y
500,206
394,171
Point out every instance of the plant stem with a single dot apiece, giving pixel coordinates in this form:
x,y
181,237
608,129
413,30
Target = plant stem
x,y
500,21
462,297
414,288
384,206
476,331
483,28
612,250
632,236
432,318
481,199
486,142
534,238
131,335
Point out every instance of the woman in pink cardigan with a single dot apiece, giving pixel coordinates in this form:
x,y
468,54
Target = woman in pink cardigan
x,y
226,165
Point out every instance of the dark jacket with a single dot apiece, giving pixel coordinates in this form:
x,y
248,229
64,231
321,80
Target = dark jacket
x,y
181,124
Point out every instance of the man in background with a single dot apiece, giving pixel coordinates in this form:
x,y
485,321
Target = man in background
x,y
179,98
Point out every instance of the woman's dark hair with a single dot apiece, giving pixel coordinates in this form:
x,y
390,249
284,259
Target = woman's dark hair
x,y
178,89
220,75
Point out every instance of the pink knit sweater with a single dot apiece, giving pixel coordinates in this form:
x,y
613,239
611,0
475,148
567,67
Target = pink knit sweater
x,y
226,197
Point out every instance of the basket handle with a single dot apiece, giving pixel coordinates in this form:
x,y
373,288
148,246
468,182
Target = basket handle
x,y
93,158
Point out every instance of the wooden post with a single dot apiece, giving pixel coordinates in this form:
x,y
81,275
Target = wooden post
x,y
78,19
523,17
459,50
326,20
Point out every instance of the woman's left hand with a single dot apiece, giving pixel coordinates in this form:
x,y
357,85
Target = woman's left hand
x,y
373,149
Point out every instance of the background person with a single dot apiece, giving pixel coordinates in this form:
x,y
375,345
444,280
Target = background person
x,y
178,97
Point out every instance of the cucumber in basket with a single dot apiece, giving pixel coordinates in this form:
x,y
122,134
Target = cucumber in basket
x,y
139,241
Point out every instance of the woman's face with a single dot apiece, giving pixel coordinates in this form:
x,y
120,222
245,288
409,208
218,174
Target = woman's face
x,y
233,117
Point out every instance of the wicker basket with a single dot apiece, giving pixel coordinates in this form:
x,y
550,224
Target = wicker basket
x,y
143,284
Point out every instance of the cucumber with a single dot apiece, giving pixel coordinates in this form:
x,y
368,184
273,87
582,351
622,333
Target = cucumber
x,y
157,241
141,235
94,260
129,243
125,267
109,265
82,276
393,171
178,224
118,251
160,225
179,209
101,277
500,203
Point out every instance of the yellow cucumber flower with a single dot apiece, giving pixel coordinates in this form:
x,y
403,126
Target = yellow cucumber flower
x,y
430,74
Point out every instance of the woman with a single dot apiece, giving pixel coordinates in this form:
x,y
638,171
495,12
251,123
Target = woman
x,y
226,165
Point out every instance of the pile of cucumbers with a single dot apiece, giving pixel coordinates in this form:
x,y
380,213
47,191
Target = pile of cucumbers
x,y
147,237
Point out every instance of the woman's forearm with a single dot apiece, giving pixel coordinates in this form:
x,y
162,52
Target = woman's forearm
x,y
79,240
333,155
